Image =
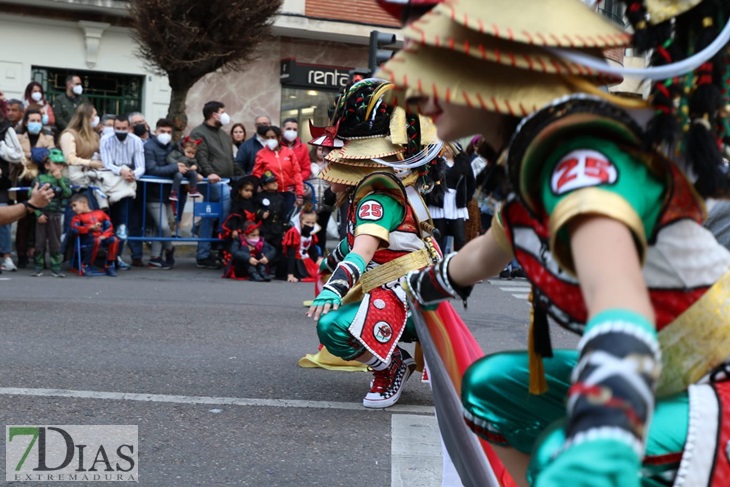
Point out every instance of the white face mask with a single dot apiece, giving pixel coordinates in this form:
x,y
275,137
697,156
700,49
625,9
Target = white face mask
x,y
272,144
36,95
225,119
290,135
95,122
107,130
164,138
78,89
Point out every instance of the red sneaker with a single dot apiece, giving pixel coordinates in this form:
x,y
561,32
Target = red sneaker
x,y
173,195
194,193
387,384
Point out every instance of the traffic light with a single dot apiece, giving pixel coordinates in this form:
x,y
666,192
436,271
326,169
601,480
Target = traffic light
x,y
378,55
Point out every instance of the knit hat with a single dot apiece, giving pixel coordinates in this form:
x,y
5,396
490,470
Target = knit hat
x,y
38,155
268,177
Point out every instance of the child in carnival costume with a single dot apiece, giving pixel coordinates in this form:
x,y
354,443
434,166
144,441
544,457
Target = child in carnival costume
x,y
300,246
605,218
362,311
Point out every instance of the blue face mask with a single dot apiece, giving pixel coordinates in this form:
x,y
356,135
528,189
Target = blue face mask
x,y
35,127
44,119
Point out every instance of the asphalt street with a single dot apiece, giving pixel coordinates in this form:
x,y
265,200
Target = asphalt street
x,y
207,369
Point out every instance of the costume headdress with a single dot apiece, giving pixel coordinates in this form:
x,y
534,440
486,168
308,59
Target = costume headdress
x,y
496,59
369,134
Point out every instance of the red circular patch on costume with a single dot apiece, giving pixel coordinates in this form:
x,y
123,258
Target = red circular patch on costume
x,y
581,169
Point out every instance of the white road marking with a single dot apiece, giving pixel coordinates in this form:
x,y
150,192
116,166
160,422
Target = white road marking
x,y
415,451
230,401
519,289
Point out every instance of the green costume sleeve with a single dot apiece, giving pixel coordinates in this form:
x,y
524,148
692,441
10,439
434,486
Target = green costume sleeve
x,y
378,215
65,186
589,175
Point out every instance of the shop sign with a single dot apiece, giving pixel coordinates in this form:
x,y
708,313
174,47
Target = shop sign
x,y
312,76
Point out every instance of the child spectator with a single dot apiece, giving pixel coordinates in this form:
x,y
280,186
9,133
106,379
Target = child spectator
x,y
48,220
243,209
300,247
271,211
250,254
184,156
242,198
96,231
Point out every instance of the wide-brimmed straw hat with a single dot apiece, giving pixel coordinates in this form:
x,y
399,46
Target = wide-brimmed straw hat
x,y
494,55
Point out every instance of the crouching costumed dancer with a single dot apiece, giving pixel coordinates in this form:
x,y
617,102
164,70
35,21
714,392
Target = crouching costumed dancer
x,y
362,311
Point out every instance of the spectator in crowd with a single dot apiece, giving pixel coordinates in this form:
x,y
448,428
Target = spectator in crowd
x,y
323,195
478,166
40,197
123,155
139,126
65,104
48,219
281,161
31,138
243,209
270,211
183,156
35,98
238,136
290,131
299,247
246,157
107,124
80,146
156,152
14,114
96,232
11,153
250,254
215,161
447,202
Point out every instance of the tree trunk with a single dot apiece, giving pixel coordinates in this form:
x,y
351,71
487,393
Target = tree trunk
x,y
177,112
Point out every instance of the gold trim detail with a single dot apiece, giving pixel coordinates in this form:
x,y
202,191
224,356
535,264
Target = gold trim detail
x,y
374,230
594,201
500,234
395,269
697,341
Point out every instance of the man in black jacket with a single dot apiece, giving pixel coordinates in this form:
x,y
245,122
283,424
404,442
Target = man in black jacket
x,y
156,150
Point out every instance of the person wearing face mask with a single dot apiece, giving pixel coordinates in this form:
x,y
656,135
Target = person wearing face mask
x,y
214,162
139,126
291,139
300,246
123,155
65,104
23,175
35,98
281,161
246,156
156,152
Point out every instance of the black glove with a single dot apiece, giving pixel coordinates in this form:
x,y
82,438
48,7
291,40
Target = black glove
x,y
431,285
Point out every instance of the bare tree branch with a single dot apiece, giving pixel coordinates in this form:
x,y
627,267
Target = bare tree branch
x,y
187,39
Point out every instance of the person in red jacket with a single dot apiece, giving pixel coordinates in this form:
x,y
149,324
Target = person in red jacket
x,y
281,161
290,126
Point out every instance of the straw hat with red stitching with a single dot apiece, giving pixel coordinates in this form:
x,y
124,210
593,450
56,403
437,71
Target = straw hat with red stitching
x,y
492,55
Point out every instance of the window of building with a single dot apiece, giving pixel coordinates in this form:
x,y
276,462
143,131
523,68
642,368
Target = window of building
x,y
109,92
306,105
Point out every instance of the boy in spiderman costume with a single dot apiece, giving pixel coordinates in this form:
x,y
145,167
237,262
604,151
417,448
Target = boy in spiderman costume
x,y
96,231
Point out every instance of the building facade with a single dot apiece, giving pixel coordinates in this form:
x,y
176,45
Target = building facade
x,y
296,74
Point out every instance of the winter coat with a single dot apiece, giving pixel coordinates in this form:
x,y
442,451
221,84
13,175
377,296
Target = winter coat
x,y
283,163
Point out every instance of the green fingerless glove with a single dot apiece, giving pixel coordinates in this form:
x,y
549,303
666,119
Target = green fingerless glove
x,y
327,297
